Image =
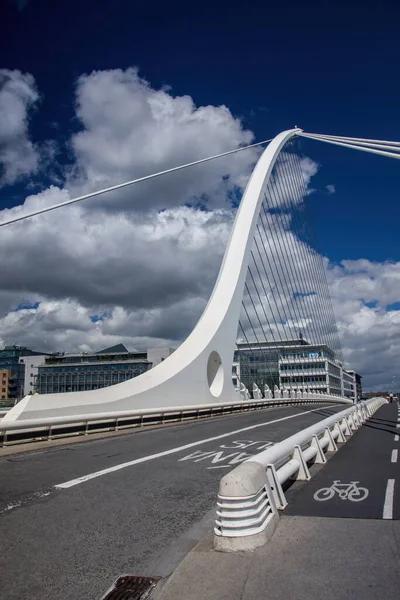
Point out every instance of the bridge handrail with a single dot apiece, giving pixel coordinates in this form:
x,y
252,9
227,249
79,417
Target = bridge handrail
x,y
7,426
250,495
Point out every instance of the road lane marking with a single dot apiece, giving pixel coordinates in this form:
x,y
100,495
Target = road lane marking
x,y
394,456
396,437
388,505
234,456
137,461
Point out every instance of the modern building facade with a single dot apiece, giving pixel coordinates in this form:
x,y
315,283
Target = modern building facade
x,y
5,376
31,366
349,384
357,384
10,361
294,364
85,371
236,375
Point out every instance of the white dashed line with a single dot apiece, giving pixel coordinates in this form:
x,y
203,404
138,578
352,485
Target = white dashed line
x,y
396,437
388,506
394,456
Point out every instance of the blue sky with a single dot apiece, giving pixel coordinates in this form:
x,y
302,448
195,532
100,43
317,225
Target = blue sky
x,y
328,67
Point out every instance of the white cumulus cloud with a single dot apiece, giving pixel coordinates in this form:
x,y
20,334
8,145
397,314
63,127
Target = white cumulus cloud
x,y
366,298
130,130
18,155
138,266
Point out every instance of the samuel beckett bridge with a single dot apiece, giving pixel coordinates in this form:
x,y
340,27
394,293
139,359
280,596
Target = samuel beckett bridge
x,y
265,358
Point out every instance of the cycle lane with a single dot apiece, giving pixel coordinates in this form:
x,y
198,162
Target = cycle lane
x,y
369,458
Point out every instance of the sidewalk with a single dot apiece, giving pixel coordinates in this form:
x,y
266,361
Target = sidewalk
x,y
312,558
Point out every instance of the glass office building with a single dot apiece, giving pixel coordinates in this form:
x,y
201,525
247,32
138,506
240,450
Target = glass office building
x,y
294,364
84,371
13,371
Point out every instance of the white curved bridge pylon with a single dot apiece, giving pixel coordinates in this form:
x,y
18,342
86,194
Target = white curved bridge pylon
x,y
200,370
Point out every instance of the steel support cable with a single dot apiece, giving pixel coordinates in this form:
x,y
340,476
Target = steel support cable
x,y
362,145
269,350
249,344
128,183
278,271
314,258
255,285
274,382
315,311
308,255
277,309
336,346
288,210
286,263
259,298
288,192
266,353
261,303
353,146
285,219
262,306
274,271
279,217
255,312
306,250
243,362
321,270
356,144
265,271
265,291
251,324
243,359
380,144
274,307
279,254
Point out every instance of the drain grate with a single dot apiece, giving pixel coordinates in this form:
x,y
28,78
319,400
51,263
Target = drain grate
x,y
130,587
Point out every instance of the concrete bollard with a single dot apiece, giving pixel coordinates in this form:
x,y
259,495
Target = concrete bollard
x,y
246,511
257,395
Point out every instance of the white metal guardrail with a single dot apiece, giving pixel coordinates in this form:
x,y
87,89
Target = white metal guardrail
x,y
28,430
251,495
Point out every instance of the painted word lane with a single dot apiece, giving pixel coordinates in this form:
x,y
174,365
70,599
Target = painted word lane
x,y
228,455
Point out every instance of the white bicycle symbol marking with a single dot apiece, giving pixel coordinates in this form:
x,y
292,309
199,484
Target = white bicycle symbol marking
x,y
346,491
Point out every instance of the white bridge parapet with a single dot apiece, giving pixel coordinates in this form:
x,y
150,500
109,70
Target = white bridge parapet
x,y
251,495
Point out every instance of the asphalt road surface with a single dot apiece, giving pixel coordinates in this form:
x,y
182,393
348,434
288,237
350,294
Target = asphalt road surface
x,y
74,518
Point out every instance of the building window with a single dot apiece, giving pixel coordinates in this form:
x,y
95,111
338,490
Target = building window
x,y
3,390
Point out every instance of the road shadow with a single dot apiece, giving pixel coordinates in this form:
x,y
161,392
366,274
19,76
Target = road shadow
x,y
390,427
325,412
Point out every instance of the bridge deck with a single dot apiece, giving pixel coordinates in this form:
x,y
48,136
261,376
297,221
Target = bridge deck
x,y
75,541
